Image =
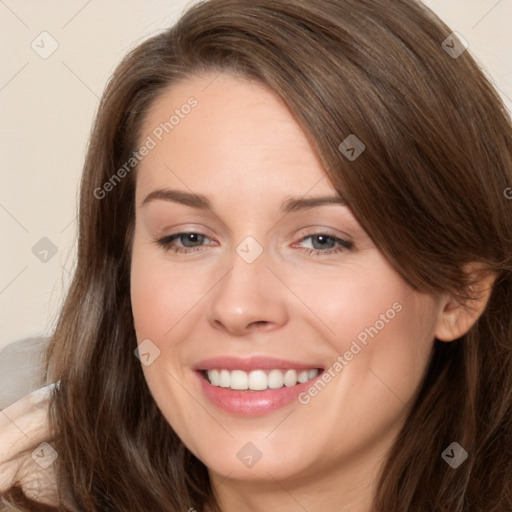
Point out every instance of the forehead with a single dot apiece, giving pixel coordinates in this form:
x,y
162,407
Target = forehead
x,y
238,133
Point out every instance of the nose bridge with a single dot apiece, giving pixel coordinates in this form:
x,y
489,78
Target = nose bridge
x,y
247,295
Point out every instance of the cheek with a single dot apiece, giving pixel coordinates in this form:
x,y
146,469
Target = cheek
x,y
161,294
380,332
350,302
402,352
151,302
385,347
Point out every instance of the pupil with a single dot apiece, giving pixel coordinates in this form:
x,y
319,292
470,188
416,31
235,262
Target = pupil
x,y
324,241
190,238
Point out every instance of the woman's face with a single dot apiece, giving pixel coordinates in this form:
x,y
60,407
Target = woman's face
x,y
265,286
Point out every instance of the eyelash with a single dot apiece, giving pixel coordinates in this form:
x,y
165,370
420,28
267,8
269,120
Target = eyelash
x,y
167,244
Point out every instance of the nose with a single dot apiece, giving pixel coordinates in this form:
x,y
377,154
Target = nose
x,y
249,298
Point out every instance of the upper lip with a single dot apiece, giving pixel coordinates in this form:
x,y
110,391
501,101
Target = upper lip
x,y
251,363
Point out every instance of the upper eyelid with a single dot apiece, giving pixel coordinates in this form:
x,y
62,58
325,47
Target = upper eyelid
x,y
305,231
212,216
171,231
334,233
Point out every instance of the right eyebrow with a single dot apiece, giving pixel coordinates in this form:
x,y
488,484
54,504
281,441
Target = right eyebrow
x,y
177,196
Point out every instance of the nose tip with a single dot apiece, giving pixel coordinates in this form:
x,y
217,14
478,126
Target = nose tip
x,y
242,327
248,299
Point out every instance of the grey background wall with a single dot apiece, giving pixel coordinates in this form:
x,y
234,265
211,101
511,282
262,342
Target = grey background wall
x,y
56,58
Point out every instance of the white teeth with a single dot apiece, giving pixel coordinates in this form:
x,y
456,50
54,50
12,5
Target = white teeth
x,y
259,380
303,376
290,378
214,377
275,379
239,380
225,379
312,374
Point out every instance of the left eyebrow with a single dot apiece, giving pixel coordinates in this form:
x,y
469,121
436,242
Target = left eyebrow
x,y
303,203
202,202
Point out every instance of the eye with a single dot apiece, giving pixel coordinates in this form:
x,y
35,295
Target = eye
x,y
190,242
325,243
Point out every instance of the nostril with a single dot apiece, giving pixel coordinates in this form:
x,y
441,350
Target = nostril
x,y
260,325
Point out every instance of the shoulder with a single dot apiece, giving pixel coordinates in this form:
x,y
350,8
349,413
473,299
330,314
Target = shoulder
x,y
26,455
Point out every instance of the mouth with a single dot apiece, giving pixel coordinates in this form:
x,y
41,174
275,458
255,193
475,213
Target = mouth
x,y
254,386
259,380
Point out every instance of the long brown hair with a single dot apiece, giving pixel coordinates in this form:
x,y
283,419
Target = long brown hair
x,y
428,189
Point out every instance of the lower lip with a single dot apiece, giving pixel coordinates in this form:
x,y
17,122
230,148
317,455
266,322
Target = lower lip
x,y
252,403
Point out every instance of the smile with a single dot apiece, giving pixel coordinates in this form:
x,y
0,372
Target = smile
x,y
259,380
254,386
